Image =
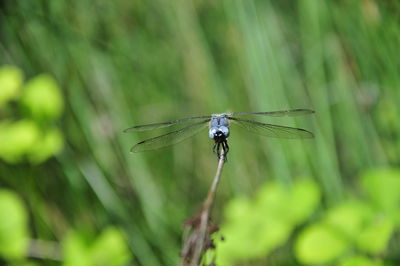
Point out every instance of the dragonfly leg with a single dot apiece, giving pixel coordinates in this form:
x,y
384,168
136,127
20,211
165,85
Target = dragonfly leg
x,y
226,147
214,148
218,146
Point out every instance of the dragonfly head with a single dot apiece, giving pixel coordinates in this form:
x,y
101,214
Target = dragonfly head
x,y
218,133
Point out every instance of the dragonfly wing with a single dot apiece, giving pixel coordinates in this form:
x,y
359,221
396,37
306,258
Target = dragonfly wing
x,y
164,124
294,112
273,131
170,138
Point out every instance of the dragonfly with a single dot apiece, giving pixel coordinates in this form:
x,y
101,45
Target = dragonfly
x,y
219,129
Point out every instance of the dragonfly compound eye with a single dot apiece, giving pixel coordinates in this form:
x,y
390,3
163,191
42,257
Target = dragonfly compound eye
x,y
224,130
212,132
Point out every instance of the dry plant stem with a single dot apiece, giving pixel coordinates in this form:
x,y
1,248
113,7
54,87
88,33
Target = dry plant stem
x,y
205,214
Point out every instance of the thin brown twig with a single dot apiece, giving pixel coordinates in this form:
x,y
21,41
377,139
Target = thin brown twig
x,y
199,239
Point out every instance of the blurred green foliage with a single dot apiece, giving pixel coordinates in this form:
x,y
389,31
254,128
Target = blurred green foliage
x,y
10,83
363,225
29,132
254,228
42,98
14,234
74,74
108,249
355,224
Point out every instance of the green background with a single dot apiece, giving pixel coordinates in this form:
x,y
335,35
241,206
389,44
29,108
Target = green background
x,y
74,74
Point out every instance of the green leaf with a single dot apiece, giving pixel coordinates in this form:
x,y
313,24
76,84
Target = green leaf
x,y
349,218
17,139
14,235
42,98
360,261
110,249
10,82
48,145
319,244
273,199
375,238
304,199
75,251
382,187
293,204
237,209
253,228
254,238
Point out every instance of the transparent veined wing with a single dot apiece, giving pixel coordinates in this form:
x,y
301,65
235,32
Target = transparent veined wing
x,y
273,131
170,138
294,112
163,124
